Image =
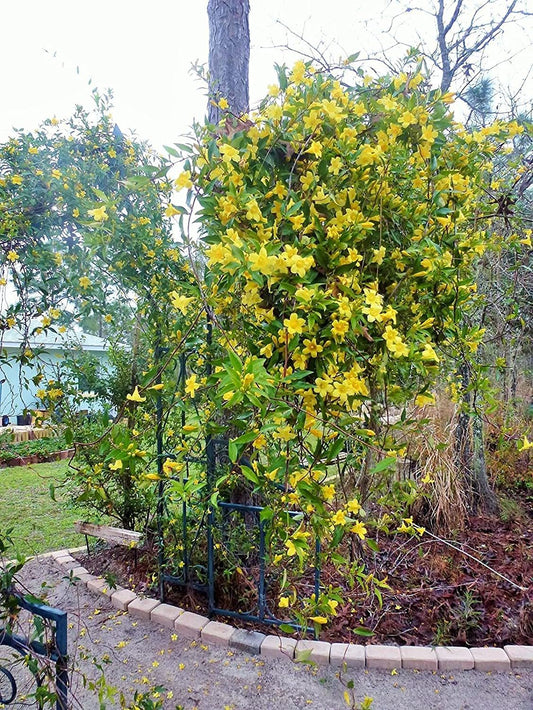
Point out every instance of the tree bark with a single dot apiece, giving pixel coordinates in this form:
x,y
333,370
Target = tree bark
x,y
229,56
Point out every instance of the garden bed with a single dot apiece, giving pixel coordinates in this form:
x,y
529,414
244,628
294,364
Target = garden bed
x,y
24,453
437,595
36,458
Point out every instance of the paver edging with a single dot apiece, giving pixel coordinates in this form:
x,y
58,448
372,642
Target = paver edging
x,y
448,657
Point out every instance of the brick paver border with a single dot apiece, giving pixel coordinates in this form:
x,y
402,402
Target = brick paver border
x,y
440,658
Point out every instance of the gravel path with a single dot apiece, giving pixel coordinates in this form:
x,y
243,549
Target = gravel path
x,y
194,675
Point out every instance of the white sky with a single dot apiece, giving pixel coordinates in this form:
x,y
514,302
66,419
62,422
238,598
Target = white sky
x,y
144,50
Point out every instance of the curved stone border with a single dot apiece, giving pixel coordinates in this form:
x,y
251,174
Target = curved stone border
x,y
195,626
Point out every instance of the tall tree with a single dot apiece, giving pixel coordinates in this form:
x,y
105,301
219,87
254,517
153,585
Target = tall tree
x,y
229,56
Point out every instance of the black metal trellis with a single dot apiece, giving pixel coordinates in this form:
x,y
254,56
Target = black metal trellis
x,y
55,651
197,543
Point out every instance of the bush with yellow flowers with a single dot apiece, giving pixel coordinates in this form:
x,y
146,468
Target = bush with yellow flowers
x,y
341,224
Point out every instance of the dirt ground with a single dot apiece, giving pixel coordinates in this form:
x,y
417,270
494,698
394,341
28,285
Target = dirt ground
x,y
140,656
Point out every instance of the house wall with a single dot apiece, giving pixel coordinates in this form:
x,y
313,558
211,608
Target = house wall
x,y
18,392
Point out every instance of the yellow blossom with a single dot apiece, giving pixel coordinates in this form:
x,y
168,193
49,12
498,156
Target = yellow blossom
x,y
294,324
525,445
85,282
191,385
339,518
135,396
180,302
359,529
183,180
99,214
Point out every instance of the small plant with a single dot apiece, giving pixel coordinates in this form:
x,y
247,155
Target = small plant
x,y
467,616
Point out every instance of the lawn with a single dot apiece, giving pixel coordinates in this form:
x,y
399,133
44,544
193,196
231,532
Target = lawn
x,y
39,523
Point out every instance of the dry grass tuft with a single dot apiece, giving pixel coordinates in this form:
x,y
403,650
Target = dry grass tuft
x,y
444,508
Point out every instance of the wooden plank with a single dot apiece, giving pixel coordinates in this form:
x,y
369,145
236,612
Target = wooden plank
x,y
127,538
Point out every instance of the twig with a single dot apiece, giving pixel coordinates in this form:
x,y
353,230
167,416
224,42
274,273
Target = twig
x,y
476,559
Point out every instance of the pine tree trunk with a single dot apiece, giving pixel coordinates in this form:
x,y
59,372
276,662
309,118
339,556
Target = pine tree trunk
x,y
229,56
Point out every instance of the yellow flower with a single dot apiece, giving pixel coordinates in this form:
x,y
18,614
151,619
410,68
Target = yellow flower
x,y
312,348
16,179
359,529
229,153
253,212
262,262
179,302
12,255
328,492
84,282
116,466
354,506
99,214
407,119
285,433
335,166
422,399
429,354
171,211
298,72
319,619
135,396
108,318
339,328
191,385
294,324
429,134
525,445
283,602
339,518
223,103
183,180
379,255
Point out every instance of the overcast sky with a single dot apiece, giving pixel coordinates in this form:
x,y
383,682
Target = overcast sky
x,y
144,51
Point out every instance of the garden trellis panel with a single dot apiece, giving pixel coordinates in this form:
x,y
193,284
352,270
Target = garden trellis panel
x,y
202,538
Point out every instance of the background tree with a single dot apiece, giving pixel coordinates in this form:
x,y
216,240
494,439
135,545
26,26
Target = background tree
x,y
229,57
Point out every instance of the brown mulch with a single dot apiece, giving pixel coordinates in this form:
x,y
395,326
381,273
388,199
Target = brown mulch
x,y
437,594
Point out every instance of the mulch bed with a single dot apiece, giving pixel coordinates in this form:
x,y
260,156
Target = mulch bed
x,y
437,594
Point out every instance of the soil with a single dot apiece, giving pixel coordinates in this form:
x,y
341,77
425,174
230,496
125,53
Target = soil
x,y
438,595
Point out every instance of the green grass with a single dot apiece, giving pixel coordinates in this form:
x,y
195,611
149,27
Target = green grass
x,y
38,523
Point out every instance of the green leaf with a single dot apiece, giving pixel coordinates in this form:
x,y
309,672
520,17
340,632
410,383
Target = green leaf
x,y
233,452
382,465
362,631
372,544
287,628
246,438
249,474
172,151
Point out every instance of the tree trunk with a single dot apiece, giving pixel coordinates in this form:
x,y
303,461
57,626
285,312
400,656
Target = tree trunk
x,y
485,498
470,452
229,56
